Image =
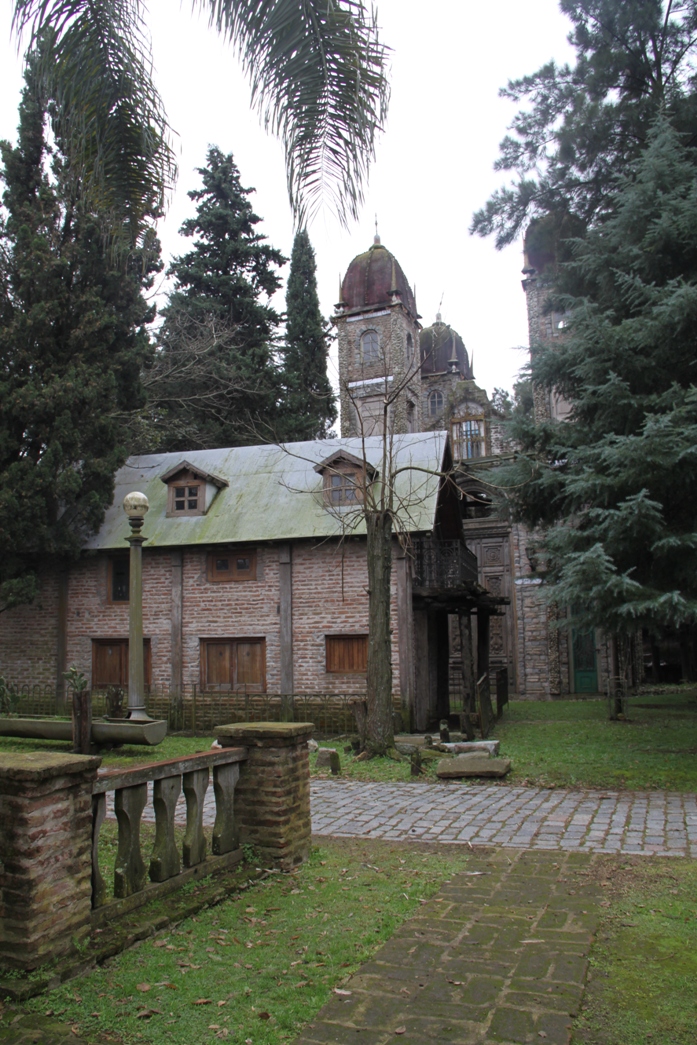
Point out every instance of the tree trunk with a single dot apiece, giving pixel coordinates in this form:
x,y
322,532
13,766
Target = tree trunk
x,y
380,722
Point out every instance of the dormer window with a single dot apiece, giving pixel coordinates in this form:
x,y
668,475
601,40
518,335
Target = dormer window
x,y
185,499
343,479
344,488
190,490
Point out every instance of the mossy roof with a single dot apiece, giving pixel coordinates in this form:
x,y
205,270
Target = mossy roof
x,y
274,493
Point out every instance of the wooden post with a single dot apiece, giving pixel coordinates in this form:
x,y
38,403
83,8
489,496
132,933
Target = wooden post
x,y
176,637
405,632
285,612
82,722
442,665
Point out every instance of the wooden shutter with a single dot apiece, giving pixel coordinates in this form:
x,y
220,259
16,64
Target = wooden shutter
x,y
250,665
347,654
218,665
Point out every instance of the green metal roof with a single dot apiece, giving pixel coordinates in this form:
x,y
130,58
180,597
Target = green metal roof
x,y
274,492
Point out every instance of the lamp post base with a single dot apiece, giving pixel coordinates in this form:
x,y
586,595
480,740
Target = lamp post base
x,y
139,715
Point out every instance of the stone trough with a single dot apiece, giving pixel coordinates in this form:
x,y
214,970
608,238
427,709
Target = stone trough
x,y
119,731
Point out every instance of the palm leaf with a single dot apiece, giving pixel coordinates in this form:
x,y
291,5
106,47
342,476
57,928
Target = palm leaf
x,y
317,71
96,62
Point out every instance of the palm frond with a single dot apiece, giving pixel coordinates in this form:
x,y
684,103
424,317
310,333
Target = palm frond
x,y
96,62
318,75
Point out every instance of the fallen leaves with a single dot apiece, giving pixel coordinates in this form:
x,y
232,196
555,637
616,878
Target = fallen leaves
x,y
202,1001
400,1030
144,987
146,1014
338,990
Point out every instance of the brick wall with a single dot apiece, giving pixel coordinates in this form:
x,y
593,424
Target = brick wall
x,y
29,635
329,597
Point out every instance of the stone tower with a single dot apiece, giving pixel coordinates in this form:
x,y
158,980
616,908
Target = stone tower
x,y
378,330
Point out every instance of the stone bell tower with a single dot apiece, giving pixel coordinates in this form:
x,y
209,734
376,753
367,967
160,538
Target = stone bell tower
x,y
379,356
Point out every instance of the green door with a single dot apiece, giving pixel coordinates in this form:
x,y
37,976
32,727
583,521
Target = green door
x,y
585,669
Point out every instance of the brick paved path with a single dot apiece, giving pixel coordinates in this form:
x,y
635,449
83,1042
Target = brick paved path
x,y
652,822
498,957
656,822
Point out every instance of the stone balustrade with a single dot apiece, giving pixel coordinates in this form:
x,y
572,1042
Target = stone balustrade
x,y
169,778
52,807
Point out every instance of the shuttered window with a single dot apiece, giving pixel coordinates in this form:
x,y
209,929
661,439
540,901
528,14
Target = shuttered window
x,y
347,654
110,663
233,664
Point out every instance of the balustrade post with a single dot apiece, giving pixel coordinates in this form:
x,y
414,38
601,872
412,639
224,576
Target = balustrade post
x,y
225,834
272,797
46,825
195,785
129,874
165,862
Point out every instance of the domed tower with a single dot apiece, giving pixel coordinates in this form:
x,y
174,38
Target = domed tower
x,y
378,329
444,364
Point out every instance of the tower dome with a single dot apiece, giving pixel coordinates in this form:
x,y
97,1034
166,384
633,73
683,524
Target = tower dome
x,y
374,280
443,351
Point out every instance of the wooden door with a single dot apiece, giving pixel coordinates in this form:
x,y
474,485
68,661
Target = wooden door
x,y
585,667
110,664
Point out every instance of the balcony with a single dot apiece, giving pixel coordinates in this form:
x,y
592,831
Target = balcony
x,y
443,567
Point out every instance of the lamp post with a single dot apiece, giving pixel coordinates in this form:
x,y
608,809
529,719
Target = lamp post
x,y
135,505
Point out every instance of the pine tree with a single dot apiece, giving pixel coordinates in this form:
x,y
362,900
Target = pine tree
x,y
216,314
581,124
616,484
73,339
309,408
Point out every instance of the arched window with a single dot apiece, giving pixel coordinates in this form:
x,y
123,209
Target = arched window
x,y
370,347
435,404
410,348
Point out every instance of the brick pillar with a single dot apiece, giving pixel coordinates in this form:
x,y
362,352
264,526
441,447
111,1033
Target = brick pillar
x,y
45,854
272,797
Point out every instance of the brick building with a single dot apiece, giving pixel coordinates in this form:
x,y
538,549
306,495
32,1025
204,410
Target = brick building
x,y
255,576
429,375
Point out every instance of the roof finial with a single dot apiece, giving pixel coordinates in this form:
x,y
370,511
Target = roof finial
x,y
440,305
376,237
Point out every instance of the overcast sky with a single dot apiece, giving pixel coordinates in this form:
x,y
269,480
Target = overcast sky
x,y
434,162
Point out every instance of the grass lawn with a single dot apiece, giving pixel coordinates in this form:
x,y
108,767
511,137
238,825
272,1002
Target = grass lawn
x,y
561,743
260,966
642,987
572,743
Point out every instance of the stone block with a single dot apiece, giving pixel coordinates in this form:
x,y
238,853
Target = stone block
x,y
472,765
464,747
45,875
324,757
272,797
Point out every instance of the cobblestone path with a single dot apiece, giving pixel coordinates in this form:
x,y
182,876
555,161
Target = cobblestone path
x,y
653,822
499,955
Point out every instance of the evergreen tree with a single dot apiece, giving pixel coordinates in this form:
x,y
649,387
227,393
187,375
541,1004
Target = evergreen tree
x,y
216,314
309,408
616,484
581,124
73,339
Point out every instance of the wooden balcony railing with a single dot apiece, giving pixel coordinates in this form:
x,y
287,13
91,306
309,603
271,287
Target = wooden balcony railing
x,y
443,566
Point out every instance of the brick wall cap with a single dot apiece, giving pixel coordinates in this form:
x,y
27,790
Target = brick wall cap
x,y
246,731
34,766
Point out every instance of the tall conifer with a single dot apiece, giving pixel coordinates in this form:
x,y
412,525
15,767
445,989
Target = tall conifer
x,y
219,318
309,403
73,339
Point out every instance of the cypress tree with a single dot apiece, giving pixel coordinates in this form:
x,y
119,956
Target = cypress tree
x,y
308,400
73,339
219,382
